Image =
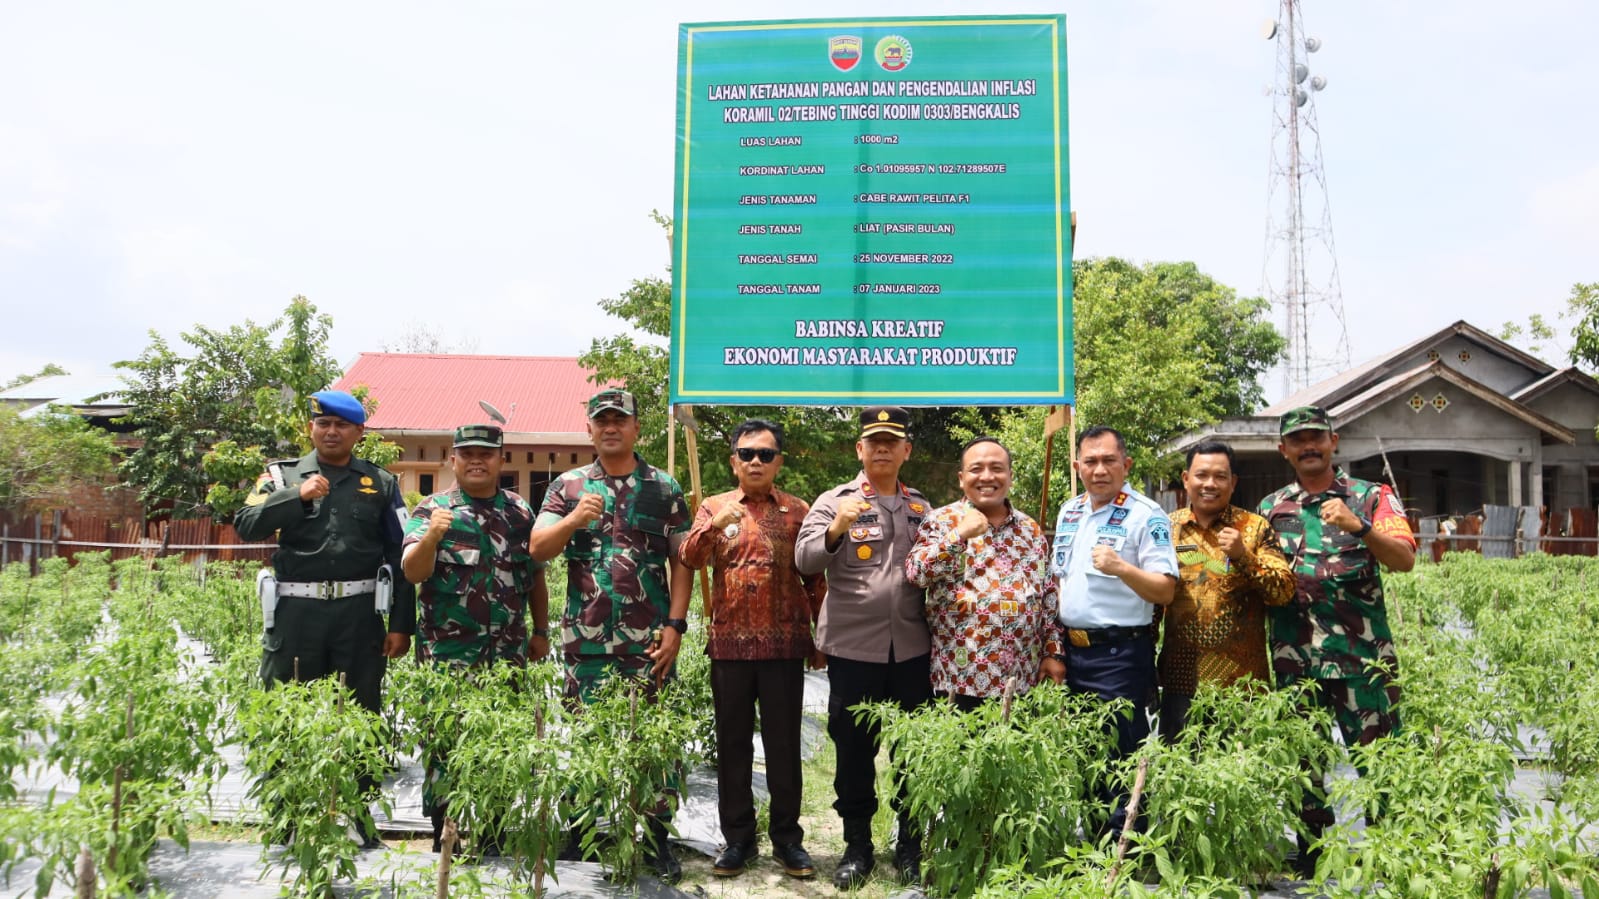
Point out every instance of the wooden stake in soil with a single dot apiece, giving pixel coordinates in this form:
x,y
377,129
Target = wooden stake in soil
x,y
1005,698
441,889
117,777
1132,819
1490,882
87,879
544,815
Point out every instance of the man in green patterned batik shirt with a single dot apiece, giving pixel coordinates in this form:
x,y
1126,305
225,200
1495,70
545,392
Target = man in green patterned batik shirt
x,y
467,550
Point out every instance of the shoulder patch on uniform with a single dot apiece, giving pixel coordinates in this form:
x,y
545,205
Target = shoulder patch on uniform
x,y
1160,533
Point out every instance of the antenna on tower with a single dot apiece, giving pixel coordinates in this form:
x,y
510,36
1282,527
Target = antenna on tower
x,y
1300,275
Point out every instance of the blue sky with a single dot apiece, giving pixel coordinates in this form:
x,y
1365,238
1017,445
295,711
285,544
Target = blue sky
x,y
488,168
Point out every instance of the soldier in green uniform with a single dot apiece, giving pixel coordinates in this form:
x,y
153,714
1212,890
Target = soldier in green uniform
x,y
338,521
619,523
467,550
1335,531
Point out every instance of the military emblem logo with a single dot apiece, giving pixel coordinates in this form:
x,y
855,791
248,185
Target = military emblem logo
x,y
893,53
844,51
366,481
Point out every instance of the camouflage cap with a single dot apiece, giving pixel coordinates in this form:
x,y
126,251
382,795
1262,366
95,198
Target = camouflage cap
x,y
620,400
1305,418
479,435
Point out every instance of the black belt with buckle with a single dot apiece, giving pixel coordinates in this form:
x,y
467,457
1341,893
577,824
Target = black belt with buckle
x,y
1083,638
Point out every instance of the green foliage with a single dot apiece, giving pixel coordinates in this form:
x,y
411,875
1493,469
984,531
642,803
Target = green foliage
x,y
49,370
305,744
246,384
1221,796
1163,348
138,738
42,457
992,790
632,762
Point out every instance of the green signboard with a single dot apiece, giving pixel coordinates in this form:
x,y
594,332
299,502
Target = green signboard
x,y
872,211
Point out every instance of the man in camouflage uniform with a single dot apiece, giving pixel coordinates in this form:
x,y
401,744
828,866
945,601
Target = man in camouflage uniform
x,y
619,523
1335,530
338,520
467,550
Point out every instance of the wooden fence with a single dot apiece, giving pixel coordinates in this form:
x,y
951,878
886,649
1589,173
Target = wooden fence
x,y
46,535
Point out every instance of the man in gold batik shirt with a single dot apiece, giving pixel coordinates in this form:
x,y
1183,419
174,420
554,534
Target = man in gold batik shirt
x,y
1232,569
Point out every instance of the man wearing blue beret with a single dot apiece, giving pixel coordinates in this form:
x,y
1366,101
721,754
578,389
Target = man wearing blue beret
x,y
338,520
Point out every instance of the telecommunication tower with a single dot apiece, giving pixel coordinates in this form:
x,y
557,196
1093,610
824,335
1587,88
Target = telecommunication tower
x,y
1300,277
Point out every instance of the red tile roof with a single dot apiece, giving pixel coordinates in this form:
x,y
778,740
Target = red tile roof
x,y
440,391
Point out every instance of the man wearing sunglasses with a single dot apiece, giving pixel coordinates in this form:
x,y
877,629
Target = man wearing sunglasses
x,y
761,611
872,627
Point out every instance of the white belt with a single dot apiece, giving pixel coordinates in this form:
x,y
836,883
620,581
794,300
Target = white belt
x,y
327,589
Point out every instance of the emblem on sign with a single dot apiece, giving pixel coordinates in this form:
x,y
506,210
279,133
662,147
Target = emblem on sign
x,y
893,53
844,51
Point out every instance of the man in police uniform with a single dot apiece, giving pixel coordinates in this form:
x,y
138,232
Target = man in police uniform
x,y
1335,530
338,520
619,523
467,550
1113,555
873,627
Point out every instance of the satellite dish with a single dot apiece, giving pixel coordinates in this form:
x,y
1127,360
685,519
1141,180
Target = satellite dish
x,y
1312,44
1300,97
1318,83
493,412
1301,72
1268,30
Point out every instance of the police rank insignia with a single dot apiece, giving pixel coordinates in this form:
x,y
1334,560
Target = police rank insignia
x,y
366,481
863,552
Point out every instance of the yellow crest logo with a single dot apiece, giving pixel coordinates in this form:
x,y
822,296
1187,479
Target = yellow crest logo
x,y
882,416
366,481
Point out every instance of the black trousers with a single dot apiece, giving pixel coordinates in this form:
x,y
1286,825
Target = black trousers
x,y
778,686
908,683
1123,670
323,638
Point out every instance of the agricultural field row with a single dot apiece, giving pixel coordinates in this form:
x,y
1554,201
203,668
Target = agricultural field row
x,y
1499,668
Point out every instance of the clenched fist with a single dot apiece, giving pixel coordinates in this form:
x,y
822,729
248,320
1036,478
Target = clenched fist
x,y
588,510
438,523
1229,541
314,488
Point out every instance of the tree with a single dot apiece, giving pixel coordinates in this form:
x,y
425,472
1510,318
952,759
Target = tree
x,y
42,457
244,384
1162,349
50,370
1583,305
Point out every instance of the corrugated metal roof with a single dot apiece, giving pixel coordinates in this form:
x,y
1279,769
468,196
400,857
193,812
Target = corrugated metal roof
x,y
440,391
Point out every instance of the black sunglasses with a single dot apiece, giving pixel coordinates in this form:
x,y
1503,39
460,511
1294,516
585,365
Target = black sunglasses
x,y
747,453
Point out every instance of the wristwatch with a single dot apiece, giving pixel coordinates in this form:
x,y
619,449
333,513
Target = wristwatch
x,y
541,632
1365,528
680,623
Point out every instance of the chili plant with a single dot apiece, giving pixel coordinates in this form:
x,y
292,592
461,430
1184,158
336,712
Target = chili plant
x,y
138,736
626,764
1221,797
994,788
307,745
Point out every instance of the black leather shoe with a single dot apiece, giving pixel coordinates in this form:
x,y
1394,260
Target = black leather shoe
x,y
732,859
795,860
854,867
908,861
370,840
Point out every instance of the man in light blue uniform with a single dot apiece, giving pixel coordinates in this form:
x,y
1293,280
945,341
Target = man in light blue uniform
x,y
1114,557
